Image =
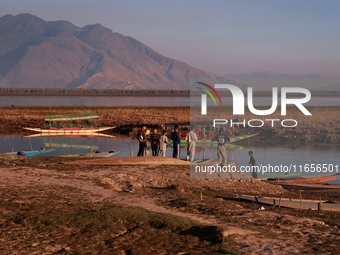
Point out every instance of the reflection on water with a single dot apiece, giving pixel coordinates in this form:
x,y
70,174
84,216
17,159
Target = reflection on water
x,y
93,101
337,181
265,155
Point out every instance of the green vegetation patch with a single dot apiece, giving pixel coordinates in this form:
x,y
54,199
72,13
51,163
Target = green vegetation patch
x,y
37,219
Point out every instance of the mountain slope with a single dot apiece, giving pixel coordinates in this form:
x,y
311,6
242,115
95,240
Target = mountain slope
x,y
35,53
265,80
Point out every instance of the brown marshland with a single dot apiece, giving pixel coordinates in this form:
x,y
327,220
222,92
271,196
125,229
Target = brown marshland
x,y
49,207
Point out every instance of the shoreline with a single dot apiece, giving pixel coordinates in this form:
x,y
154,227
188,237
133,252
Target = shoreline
x,y
139,93
320,128
112,207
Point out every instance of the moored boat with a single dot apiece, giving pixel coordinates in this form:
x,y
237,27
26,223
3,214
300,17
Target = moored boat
x,y
70,135
305,204
69,130
86,128
98,154
29,153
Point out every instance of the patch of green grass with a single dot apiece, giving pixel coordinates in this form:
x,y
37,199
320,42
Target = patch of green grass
x,y
110,226
92,218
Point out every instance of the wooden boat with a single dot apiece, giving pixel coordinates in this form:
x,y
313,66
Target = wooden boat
x,y
97,154
281,176
202,161
293,203
320,179
70,117
29,153
210,143
70,130
72,146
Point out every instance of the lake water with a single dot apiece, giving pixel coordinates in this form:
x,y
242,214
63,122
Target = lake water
x,y
110,101
265,155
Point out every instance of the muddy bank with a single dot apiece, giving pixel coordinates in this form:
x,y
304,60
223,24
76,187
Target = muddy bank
x,y
49,207
323,127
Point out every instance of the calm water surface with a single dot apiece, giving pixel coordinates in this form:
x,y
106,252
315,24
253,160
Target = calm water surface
x,y
137,101
265,154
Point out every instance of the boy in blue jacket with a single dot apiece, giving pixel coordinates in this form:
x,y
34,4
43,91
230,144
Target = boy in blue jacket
x,y
176,139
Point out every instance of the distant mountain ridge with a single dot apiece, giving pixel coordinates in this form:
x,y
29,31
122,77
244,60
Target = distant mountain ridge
x,y
267,74
265,80
335,87
58,54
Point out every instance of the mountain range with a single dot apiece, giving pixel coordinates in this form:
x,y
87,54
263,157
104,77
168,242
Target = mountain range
x,y
265,80
58,54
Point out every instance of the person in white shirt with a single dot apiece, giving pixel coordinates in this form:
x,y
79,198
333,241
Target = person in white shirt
x,y
163,142
191,138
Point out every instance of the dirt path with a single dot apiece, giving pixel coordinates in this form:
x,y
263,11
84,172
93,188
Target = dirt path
x,y
255,231
31,176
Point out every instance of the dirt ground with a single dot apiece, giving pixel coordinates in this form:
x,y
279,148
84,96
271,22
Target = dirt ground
x,y
52,205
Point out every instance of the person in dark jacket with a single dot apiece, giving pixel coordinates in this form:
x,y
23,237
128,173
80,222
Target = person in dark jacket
x,y
154,140
252,163
176,139
141,136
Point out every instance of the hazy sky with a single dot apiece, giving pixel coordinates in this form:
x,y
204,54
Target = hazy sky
x,y
220,36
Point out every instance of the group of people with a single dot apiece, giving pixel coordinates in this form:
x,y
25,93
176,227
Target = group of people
x,y
160,141
191,138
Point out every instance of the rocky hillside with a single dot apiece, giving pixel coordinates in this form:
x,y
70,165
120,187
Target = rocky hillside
x,y
58,54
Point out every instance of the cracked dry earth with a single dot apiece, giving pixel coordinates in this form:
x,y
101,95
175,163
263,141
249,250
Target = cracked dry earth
x,y
54,206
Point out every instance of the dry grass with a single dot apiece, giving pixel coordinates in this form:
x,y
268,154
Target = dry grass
x,y
44,222
322,127
14,119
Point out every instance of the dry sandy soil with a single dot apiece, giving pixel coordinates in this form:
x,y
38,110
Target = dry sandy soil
x,y
53,205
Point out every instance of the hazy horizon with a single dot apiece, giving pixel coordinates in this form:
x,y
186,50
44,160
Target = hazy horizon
x,y
222,37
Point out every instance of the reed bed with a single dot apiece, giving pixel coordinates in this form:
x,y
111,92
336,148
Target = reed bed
x,y
322,127
15,118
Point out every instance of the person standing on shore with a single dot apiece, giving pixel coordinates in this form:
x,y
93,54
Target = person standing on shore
x,y
222,139
176,140
154,140
141,136
191,138
164,141
252,163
